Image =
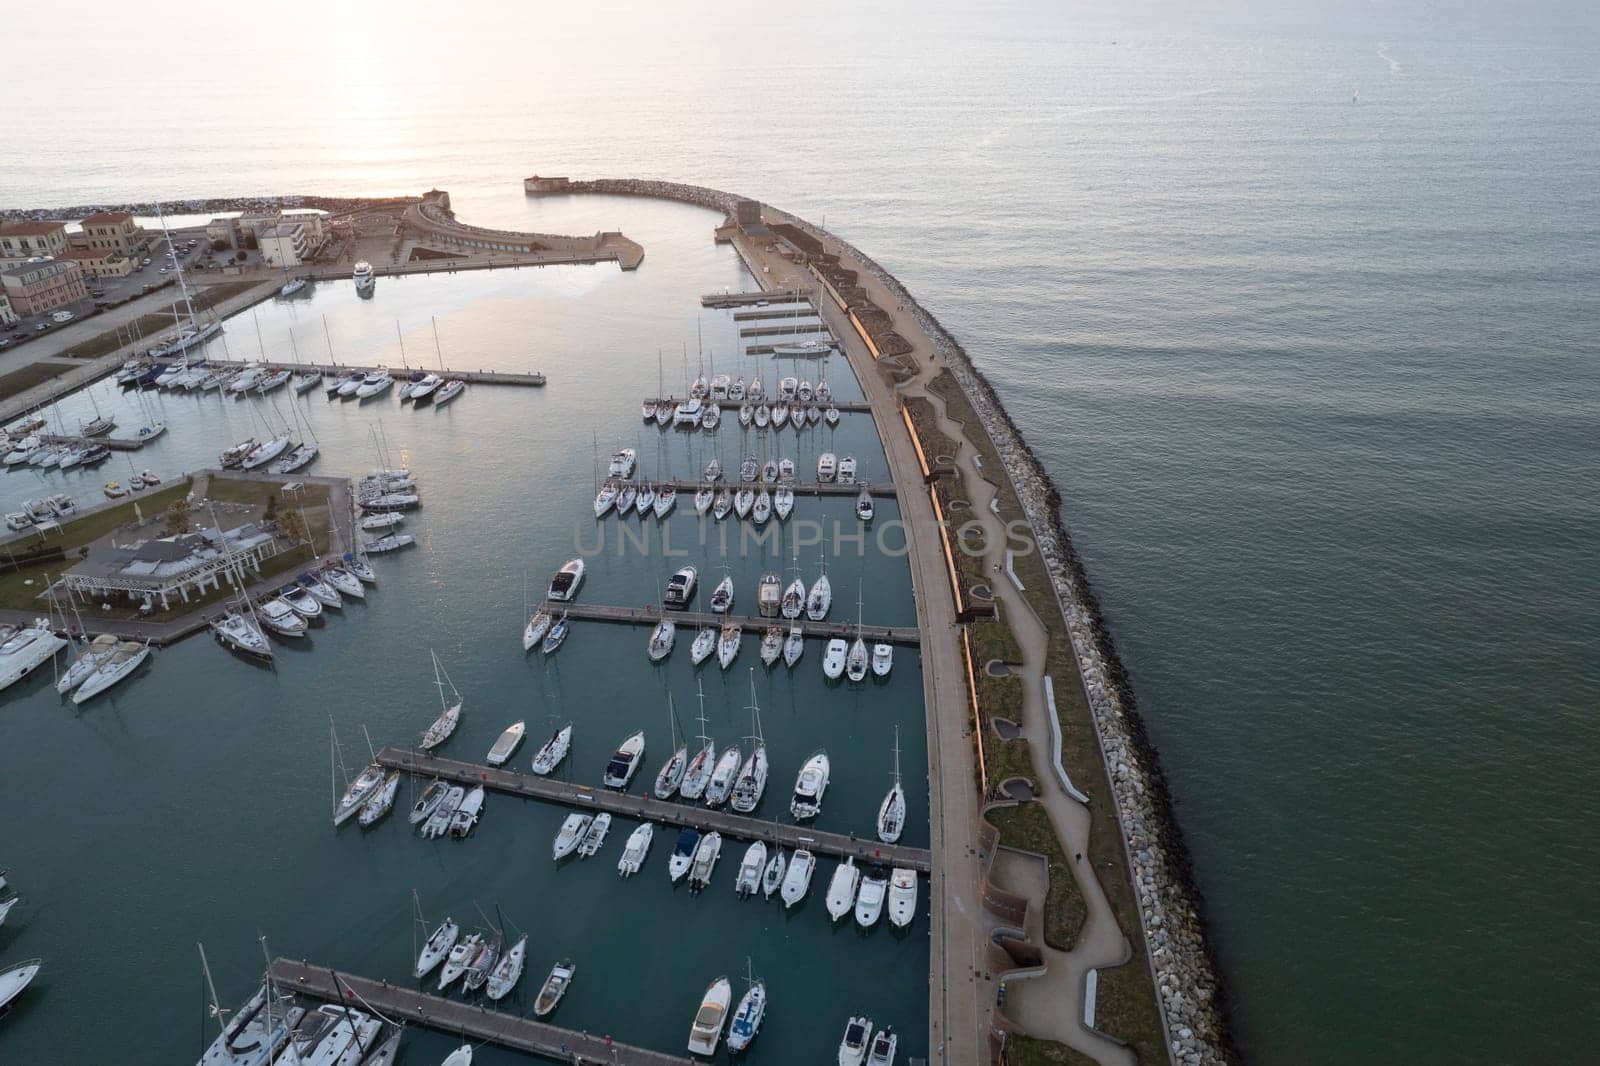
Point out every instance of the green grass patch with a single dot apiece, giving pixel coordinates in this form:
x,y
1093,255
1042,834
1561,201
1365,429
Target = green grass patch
x,y
1125,1007
1023,1050
26,377
994,640
151,325
1028,828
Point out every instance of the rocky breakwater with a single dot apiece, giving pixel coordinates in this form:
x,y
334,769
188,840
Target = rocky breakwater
x,y
1186,977
698,195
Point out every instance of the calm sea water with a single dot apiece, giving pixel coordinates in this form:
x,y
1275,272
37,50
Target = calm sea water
x,y
1297,303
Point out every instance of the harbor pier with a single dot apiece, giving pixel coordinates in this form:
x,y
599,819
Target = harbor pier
x,y
471,1020
804,488
649,809
594,612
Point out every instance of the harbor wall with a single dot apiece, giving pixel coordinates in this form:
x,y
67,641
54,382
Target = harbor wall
x,y
1190,993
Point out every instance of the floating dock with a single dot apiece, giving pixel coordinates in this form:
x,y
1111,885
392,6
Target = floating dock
x,y
749,299
791,312
793,327
844,407
459,1018
804,488
471,377
649,809
116,444
590,612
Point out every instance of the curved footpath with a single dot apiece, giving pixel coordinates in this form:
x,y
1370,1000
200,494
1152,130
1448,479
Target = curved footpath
x,y
1187,985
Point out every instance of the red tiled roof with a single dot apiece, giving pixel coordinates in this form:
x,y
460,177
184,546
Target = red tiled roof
x,y
28,229
102,218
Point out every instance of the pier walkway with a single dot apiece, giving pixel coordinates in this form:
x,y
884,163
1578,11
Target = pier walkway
x,y
648,808
778,331
590,612
475,1021
471,377
803,488
750,299
844,407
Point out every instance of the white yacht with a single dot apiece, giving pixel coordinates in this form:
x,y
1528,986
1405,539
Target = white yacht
x,y
625,762
706,1033
842,889
698,774
428,802
507,744
783,502
761,510
437,947
771,645
705,642
363,276
683,853
605,499
17,978
374,383
728,643
555,986
794,645
797,882
847,470
357,794
703,497
595,837
763,416
705,860
751,867
508,971
869,901
747,1016
252,1037
864,504
666,499
827,466
892,811
820,598
623,462
793,604
550,754
833,659
273,379
127,658
688,413
855,664
423,389
239,633
772,876
267,451
438,823
800,349
88,661
380,803
449,391
460,957
809,787
722,596
902,896
636,850
538,625
564,586
680,588
722,777
572,833
883,1048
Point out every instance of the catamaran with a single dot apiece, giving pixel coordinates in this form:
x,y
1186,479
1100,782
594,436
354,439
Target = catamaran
x,y
550,754
842,889
869,901
754,863
555,986
636,850
809,787
797,882
706,1033
902,896
506,746
449,713
683,851
625,762
892,811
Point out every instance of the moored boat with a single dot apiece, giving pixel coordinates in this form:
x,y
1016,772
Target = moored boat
x,y
506,746
555,986
802,864
902,896
810,785
842,889
706,1032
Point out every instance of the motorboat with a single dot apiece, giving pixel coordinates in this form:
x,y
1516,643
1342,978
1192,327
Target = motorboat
x,y
88,661
438,823
623,462
334,386
769,595
855,663
869,900
794,645
362,275
380,803
374,383
114,490
552,751
883,1048
305,381
506,745
728,643
703,496
847,470
392,542
428,802
465,817
683,852
636,850
797,882
706,1033
832,415
820,598
864,505
842,889
761,510
902,896
772,876
423,388
747,1016
744,501
564,586
266,451
787,388
301,601
25,650
793,603
128,657
662,638
827,466
625,762
754,391
705,860
680,589
809,786
705,642
723,505
783,502
448,391
647,411
282,619
323,592
460,958
96,427
720,384
508,971
605,499
834,657
239,633
751,867
666,499
882,659
555,986
595,836
723,775
573,830
349,386
771,645
722,596
357,793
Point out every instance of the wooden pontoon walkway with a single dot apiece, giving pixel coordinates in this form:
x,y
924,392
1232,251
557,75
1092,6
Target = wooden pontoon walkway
x,y
844,406
648,808
592,612
465,1019
779,331
471,377
804,488
746,299
782,312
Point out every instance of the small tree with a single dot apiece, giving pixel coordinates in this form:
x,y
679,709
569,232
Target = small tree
x,y
178,517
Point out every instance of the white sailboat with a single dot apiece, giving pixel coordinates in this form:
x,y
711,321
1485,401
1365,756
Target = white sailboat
x,y
550,754
728,643
748,1014
892,811
449,713
116,668
698,773
751,782
820,598
705,642
508,971
772,876
722,777
380,803
855,665
794,645
671,775
436,947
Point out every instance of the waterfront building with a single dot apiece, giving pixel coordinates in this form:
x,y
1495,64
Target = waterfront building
x,y
162,568
101,262
112,231
20,241
292,241
8,317
42,284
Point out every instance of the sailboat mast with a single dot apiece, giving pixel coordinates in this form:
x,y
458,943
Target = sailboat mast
x,y
216,1008
436,349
